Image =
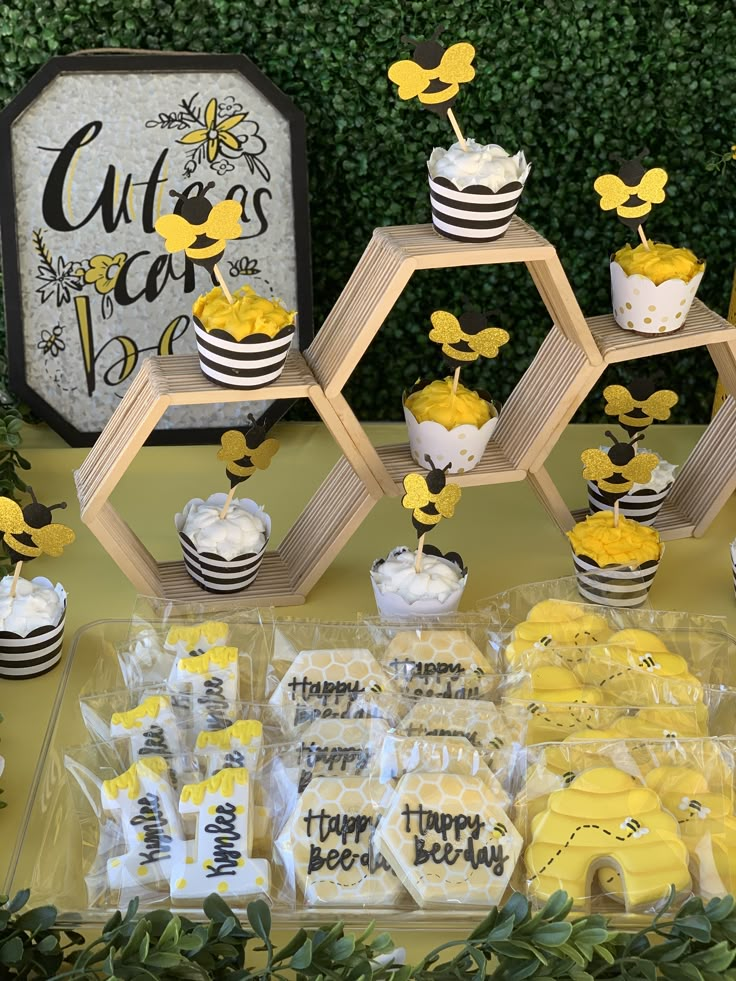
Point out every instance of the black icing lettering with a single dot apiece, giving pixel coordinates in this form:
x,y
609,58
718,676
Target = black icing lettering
x,y
440,822
225,857
345,826
322,691
156,843
154,742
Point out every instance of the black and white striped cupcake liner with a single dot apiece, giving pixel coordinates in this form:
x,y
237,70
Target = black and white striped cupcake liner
x,y
475,214
254,362
34,655
614,585
642,506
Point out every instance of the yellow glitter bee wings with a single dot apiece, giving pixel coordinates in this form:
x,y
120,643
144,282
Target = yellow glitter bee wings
x,y
410,78
53,538
641,468
446,330
417,494
447,500
620,401
454,69
11,517
176,231
614,193
456,64
596,465
221,224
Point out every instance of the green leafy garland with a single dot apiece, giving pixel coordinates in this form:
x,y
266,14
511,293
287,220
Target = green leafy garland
x,y
697,943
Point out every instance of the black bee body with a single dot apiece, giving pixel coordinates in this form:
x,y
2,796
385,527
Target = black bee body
x,y
195,209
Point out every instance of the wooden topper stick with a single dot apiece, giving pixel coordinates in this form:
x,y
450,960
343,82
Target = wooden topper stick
x,y
223,285
642,236
420,549
455,380
228,501
615,513
16,574
458,133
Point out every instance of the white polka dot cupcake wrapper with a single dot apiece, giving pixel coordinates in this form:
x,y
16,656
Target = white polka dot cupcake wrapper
x,y
641,306
462,447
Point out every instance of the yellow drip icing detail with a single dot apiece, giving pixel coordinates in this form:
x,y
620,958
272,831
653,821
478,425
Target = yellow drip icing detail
x,y
222,783
211,630
221,657
150,768
149,708
242,732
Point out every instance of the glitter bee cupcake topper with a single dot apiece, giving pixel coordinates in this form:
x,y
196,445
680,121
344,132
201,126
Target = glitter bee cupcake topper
x,y
637,406
617,469
244,453
632,192
466,338
30,531
201,230
429,498
434,75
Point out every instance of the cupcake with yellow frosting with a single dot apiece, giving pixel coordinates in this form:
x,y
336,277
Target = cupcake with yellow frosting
x,y
653,286
242,344
449,423
616,559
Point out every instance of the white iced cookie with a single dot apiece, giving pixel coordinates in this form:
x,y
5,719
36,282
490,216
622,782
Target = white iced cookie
x,y
218,860
438,580
240,532
339,747
490,165
211,679
143,799
324,683
34,605
449,840
186,640
330,838
238,745
496,731
436,663
151,728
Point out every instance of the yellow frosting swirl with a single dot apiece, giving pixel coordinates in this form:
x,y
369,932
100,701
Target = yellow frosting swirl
x,y
250,314
436,403
659,262
627,544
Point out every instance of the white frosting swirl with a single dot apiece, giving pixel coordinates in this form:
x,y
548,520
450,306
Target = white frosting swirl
x,y
490,166
34,605
240,532
437,580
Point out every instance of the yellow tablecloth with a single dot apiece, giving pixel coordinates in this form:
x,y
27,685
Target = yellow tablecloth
x,y
502,532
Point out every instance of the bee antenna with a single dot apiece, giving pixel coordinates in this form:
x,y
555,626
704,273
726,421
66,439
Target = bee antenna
x,y
208,186
60,506
437,31
251,419
429,460
175,194
635,438
33,496
614,439
447,467
644,152
405,39
617,157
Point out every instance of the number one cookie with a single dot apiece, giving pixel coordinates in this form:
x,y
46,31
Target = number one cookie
x,y
217,859
146,805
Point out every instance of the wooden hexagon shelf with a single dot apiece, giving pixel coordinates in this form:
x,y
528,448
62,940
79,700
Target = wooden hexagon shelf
x,y
568,364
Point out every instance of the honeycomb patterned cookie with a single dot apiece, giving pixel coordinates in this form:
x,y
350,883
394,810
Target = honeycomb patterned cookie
x,y
324,683
330,838
435,754
606,818
438,663
449,840
339,747
496,731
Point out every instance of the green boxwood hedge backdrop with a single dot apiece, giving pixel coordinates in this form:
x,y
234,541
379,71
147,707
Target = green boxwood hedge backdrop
x,y
571,82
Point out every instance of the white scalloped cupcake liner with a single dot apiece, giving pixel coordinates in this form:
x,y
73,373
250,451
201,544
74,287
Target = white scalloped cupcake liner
x,y
641,306
390,604
462,447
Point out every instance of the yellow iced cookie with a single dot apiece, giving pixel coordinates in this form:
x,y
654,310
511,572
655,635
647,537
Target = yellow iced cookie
x,y
606,818
436,663
548,686
557,623
449,840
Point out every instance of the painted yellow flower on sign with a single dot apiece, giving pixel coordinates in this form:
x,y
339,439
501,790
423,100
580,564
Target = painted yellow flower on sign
x,y
215,134
103,271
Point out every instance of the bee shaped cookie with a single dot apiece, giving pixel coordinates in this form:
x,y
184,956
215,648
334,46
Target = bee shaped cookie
x,y
633,191
434,73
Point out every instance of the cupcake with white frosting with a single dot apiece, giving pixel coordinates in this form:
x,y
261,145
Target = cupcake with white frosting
x,y
223,552
402,591
474,192
31,626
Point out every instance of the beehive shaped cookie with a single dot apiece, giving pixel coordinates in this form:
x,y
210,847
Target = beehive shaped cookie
x,y
339,747
435,754
212,681
606,818
558,703
438,664
449,840
636,668
655,722
330,838
237,745
218,859
324,683
151,728
557,623
146,805
496,731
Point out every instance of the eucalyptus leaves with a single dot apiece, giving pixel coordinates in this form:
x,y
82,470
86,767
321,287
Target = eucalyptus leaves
x,y
698,943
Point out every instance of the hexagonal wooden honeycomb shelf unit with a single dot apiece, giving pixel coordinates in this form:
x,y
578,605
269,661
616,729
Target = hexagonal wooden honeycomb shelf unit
x,y
569,362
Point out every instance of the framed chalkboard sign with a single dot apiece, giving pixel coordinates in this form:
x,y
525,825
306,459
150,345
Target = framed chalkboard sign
x,y
91,148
